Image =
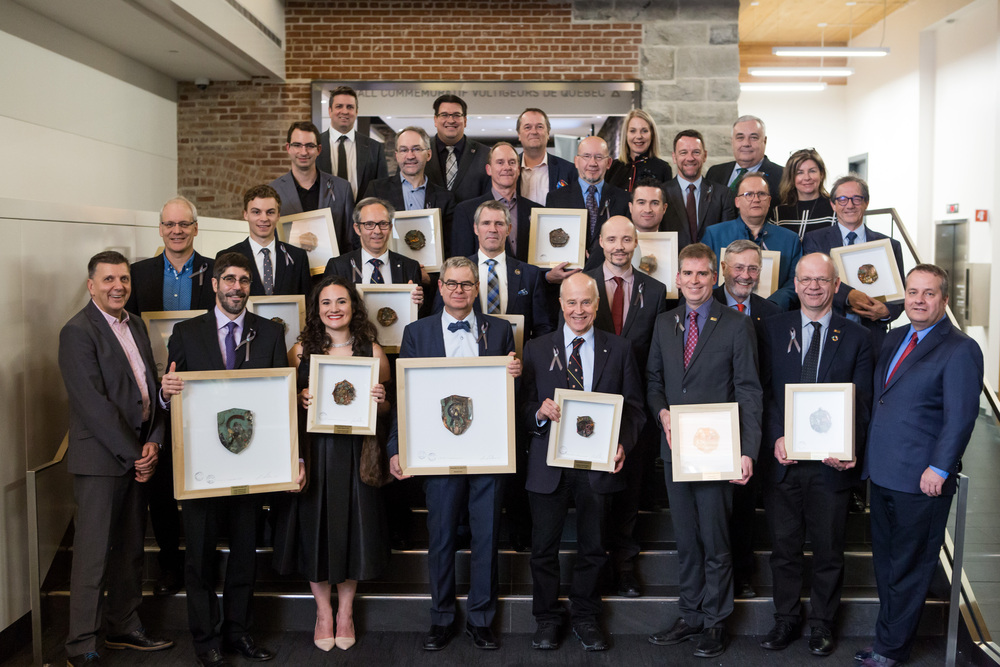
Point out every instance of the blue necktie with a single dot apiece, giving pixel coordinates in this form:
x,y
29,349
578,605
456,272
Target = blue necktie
x,y
492,288
851,238
376,271
231,346
459,326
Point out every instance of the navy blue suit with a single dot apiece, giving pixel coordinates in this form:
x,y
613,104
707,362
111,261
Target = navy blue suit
x,y
720,173
561,172
463,236
401,268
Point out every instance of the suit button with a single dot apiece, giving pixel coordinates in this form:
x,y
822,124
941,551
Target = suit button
x,y
684,390
881,402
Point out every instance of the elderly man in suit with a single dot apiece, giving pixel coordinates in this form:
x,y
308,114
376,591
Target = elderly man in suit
x,y
581,357
306,188
703,352
693,202
749,141
115,433
810,498
541,171
228,337
455,332
927,384
457,162
357,158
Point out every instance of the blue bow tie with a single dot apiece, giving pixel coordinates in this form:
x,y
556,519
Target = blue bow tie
x,y
455,326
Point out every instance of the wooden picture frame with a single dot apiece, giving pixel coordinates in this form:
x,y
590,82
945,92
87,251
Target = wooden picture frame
x,y
858,261
569,444
325,414
770,268
705,442
205,467
425,389
399,298
819,421
283,307
544,221
517,324
160,326
426,221
321,247
663,247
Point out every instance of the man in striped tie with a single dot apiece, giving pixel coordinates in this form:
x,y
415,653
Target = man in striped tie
x,y
457,162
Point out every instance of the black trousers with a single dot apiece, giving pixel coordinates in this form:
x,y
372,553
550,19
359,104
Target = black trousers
x,y
163,513
623,506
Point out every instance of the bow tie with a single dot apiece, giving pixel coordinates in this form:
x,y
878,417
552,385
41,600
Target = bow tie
x,y
455,326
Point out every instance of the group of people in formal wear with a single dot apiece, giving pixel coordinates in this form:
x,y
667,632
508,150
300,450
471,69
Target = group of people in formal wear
x,y
607,328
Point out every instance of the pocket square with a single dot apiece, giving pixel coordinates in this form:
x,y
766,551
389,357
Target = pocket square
x,y
561,184
522,292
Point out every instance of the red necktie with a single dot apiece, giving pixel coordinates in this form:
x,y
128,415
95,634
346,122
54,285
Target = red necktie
x,y
741,307
909,348
618,305
692,338
692,213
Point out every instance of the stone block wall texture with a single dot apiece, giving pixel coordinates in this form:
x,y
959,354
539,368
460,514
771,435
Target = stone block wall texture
x,y
685,53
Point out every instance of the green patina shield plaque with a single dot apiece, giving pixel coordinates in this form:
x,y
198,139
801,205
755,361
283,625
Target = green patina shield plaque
x,y
235,429
456,413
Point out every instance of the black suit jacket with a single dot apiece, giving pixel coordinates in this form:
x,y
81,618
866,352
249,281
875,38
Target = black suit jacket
x,y
649,299
463,237
720,173
715,204
194,344
614,372
760,309
436,196
370,160
561,172
147,285
402,269
291,268
472,179
614,201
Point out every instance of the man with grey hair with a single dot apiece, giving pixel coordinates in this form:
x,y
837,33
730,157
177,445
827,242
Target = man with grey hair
x,y
749,141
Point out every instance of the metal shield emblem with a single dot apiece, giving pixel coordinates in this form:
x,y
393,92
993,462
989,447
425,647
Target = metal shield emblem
x,y
235,429
585,426
456,413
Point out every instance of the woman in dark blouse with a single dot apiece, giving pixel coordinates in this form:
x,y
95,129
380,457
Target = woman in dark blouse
x,y
804,202
638,153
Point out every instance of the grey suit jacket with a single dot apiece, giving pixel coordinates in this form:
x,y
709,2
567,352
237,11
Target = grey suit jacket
x,y
334,193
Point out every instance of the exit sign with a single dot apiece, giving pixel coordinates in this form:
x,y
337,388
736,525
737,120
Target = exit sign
x,y
952,208
982,215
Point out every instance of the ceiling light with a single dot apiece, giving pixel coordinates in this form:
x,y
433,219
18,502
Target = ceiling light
x,y
800,71
783,87
829,51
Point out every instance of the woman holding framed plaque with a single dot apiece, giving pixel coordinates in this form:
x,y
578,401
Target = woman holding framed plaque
x,y
335,530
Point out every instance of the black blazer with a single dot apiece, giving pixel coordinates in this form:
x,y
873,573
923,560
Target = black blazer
x,y
436,196
463,236
715,205
561,172
625,175
614,201
649,299
291,268
147,285
194,344
370,156
472,179
720,173
760,309
402,269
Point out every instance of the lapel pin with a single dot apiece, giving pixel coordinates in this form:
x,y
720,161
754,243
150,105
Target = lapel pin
x,y
517,272
834,338
792,341
714,319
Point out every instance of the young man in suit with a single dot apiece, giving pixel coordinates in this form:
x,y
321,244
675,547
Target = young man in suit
x,y
459,331
457,162
810,498
693,202
115,433
209,343
703,352
582,357
276,267
356,158
927,384
749,141
541,171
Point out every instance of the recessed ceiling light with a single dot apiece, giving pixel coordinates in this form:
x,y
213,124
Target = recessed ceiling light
x,y
828,51
789,87
800,71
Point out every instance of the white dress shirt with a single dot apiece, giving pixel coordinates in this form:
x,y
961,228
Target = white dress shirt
x,y
460,343
258,257
352,157
367,268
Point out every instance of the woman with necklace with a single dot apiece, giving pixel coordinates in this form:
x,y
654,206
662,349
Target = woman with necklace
x,y
638,153
804,202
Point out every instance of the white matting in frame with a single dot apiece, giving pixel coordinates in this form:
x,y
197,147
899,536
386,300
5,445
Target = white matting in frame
x,y
584,412
517,324
421,228
313,232
819,421
427,388
204,466
705,442
770,267
658,249
548,224
289,309
398,299
160,325
325,413
870,268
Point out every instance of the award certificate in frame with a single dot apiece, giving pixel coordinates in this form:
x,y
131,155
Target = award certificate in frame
x,y
234,433
586,437
380,300
870,268
705,442
313,232
341,389
517,324
558,235
819,421
661,248
160,325
290,309
456,415
424,243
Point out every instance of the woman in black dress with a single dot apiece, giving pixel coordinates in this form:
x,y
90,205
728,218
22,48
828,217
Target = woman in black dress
x,y
336,529
638,153
805,203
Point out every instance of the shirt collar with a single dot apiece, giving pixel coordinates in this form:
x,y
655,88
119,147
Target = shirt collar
x,y
111,318
256,247
683,182
702,310
568,336
731,300
349,134
447,319
187,268
824,321
221,319
501,260
504,200
584,185
921,334
628,275
860,231
543,163
406,183
384,257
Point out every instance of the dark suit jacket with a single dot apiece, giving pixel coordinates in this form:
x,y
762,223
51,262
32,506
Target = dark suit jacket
x,y
291,268
614,201
463,236
615,372
402,269
472,180
334,193
561,172
715,204
147,285
436,196
925,415
760,309
723,369
106,432
370,156
720,173
194,344
649,299
847,357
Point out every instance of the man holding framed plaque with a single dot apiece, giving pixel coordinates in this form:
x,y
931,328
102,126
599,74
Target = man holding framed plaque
x,y
810,497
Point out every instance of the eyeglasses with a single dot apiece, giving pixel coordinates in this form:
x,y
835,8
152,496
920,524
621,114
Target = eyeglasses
x,y
449,116
232,280
857,200
371,224
452,285
309,147
405,150
587,157
750,196
751,269
818,281
183,224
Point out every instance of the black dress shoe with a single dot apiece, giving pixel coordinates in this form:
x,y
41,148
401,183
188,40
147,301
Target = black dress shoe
x,y
591,637
628,585
711,642
438,637
248,648
91,659
520,543
212,658
781,635
864,653
546,637
482,637
137,640
168,584
745,591
821,641
857,502
680,632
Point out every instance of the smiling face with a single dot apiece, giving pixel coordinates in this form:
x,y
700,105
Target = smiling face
x,y
849,214
458,302
413,161
450,128
592,159
375,240
749,143
232,289
924,302
647,208
303,157
696,279
110,288
177,238
741,272
815,284
335,308
689,156
533,132
502,168
343,112
808,178
491,230
578,300
618,241
638,136
262,215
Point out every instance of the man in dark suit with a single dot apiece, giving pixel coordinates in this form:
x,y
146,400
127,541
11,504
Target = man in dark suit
x,y
703,352
457,162
277,267
454,332
503,171
115,433
306,188
541,171
176,279
809,498
927,384
208,343
357,158
693,202
558,360
850,201
749,141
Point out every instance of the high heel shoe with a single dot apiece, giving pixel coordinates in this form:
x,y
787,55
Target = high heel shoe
x,y
344,643
324,644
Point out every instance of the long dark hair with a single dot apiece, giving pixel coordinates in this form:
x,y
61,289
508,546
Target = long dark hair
x,y
314,338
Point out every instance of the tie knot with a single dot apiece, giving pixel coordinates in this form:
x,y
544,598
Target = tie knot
x,y
592,189
577,342
816,326
691,188
450,149
459,326
913,338
618,281
231,326
693,316
342,138
491,263
851,236
266,252
375,262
